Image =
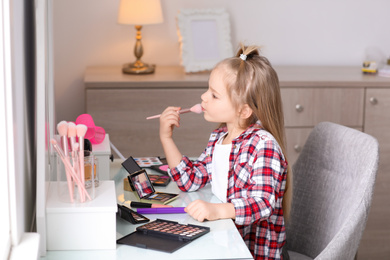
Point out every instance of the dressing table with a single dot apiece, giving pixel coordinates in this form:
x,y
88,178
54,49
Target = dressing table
x,y
222,242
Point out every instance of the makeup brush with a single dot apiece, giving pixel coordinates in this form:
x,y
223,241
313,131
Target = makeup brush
x,y
195,109
77,170
62,129
68,166
81,130
72,134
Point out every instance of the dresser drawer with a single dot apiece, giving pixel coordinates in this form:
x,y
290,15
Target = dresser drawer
x,y
306,107
296,139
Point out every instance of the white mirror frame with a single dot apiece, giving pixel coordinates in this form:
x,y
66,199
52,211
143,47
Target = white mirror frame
x,y
204,37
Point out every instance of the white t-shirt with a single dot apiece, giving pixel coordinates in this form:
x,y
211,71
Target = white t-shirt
x,y
220,164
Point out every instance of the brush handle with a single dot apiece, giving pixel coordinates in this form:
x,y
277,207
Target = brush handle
x,y
81,160
180,112
64,142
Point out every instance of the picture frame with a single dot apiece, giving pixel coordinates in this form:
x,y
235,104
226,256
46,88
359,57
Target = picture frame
x,y
204,37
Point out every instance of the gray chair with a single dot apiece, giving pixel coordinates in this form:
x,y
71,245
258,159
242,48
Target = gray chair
x,y
333,182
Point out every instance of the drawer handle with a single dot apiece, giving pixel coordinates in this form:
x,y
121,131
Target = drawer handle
x,y
297,148
299,108
373,100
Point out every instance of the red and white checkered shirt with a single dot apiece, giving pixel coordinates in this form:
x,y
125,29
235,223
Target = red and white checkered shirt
x,y
256,184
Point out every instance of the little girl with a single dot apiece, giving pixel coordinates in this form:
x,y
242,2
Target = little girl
x,y
245,157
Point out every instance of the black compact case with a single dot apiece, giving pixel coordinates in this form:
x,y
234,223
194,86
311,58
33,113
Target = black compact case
x,y
131,166
163,235
130,215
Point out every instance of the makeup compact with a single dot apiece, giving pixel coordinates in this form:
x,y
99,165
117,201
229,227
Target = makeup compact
x,y
142,185
163,168
164,235
144,189
131,165
130,215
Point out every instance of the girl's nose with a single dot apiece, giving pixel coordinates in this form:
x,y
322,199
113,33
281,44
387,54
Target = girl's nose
x,y
203,96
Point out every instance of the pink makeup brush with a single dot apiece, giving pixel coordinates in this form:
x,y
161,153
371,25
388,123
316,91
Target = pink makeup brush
x,y
62,129
195,109
68,166
81,131
72,134
77,170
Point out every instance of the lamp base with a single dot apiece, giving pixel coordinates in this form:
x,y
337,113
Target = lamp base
x,y
138,68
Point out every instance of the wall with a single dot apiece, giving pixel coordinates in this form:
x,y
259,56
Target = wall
x,y
294,32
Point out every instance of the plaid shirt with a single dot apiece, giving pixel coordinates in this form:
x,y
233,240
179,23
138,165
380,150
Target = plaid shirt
x,y
256,183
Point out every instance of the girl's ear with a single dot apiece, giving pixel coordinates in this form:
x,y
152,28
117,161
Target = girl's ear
x,y
245,112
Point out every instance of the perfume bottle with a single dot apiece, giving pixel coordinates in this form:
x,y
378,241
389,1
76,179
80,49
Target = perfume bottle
x,y
91,164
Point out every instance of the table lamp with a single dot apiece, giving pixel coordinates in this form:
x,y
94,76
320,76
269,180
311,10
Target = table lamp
x,y
139,12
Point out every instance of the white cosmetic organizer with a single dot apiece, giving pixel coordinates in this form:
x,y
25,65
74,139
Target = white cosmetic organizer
x,y
82,226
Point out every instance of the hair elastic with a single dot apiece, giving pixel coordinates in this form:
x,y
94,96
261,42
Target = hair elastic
x,y
242,56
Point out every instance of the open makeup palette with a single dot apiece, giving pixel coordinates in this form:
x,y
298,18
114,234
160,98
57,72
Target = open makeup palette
x,y
163,235
142,185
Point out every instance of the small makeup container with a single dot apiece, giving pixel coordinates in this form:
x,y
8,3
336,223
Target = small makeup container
x,y
91,169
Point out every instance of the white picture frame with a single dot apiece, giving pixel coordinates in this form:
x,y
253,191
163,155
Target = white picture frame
x,y
204,37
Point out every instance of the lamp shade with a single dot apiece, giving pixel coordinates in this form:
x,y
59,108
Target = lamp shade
x,y
140,12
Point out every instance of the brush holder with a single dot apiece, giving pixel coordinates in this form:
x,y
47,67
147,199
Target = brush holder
x,y
72,188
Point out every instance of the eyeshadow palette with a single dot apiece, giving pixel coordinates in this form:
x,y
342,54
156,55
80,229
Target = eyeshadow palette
x,y
173,229
159,180
145,191
164,235
147,161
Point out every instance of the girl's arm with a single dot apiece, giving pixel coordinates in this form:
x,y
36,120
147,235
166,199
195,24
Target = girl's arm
x,y
168,120
202,210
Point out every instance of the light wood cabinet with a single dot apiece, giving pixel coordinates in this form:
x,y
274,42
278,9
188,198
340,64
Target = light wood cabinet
x,y
306,107
377,123
120,103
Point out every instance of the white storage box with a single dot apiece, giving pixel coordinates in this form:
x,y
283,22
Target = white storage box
x,y
82,226
102,152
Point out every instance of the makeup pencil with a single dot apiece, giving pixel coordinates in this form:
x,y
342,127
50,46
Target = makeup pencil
x,y
135,204
174,210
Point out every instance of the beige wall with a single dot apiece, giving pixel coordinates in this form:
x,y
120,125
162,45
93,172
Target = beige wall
x,y
302,32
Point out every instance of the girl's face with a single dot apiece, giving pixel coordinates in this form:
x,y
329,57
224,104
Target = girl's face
x,y
216,103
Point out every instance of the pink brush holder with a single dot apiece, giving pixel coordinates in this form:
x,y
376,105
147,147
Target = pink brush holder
x,y
95,134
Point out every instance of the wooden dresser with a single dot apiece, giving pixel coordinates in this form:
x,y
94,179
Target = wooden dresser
x,y
120,103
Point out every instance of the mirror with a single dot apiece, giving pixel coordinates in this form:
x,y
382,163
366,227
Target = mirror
x,y
45,110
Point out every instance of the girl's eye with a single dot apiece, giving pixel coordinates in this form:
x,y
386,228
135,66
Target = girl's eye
x,y
213,95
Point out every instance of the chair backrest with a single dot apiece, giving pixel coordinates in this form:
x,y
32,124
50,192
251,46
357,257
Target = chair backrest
x,y
333,182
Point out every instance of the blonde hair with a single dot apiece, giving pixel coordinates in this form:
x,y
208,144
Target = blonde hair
x,y
251,80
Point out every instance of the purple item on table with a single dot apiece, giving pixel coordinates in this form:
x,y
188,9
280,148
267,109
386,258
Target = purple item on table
x,y
173,210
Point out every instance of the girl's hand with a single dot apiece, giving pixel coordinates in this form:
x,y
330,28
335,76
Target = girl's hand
x,y
168,120
202,210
